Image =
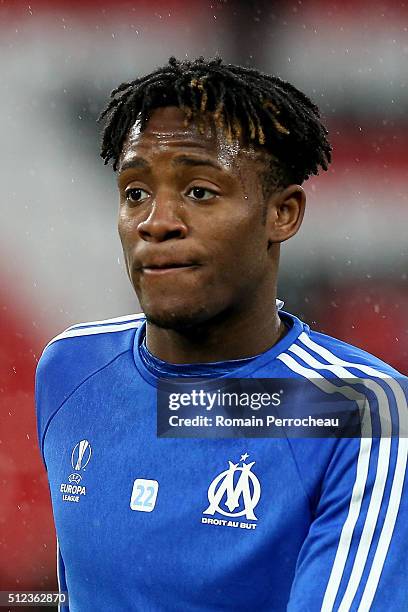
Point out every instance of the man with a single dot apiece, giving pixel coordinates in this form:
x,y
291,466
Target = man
x,y
210,160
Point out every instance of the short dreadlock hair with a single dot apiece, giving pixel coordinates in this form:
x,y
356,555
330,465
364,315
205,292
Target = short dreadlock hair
x,y
246,104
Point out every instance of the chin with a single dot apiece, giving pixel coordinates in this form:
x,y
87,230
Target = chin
x,y
176,321
179,319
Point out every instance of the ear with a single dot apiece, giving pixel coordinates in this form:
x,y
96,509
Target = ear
x,y
285,210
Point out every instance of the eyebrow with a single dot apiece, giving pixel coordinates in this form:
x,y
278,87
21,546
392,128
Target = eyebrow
x,y
184,160
139,162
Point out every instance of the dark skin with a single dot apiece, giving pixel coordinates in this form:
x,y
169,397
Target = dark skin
x,y
201,243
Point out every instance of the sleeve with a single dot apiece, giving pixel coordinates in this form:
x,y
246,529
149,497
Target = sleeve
x,y
67,360
44,402
45,396
38,409
354,556
62,366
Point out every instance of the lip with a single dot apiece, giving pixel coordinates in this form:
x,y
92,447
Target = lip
x,y
167,269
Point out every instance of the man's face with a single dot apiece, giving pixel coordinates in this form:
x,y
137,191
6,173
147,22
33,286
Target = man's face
x,y
191,221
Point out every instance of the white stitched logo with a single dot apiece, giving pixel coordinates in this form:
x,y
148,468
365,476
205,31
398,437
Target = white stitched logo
x,y
237,488
81,455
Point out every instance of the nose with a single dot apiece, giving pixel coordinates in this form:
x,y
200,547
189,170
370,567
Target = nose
x,y
164,221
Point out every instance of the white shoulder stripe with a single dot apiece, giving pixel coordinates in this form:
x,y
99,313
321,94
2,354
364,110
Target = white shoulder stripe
x,y
356,495
329,387
90,331
337,366
333,359
125,319
376,497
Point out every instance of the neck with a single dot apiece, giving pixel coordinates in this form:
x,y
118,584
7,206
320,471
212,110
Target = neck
x,y
226,336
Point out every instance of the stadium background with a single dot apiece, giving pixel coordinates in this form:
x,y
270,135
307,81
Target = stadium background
x,y
345,273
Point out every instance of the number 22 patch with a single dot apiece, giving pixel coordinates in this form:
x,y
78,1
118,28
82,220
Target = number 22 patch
x,y
144,495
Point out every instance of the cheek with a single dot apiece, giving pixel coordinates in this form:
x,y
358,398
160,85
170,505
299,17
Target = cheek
x,y
126,231
126,227
242,236
241,251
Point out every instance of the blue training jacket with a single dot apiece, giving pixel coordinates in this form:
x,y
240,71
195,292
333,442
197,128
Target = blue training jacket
x,y
162,524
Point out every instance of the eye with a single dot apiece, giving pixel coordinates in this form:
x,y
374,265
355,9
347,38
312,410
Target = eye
x,y
201,193
135,195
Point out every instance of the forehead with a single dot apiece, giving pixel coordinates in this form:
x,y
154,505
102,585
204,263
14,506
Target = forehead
x,y
167,132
